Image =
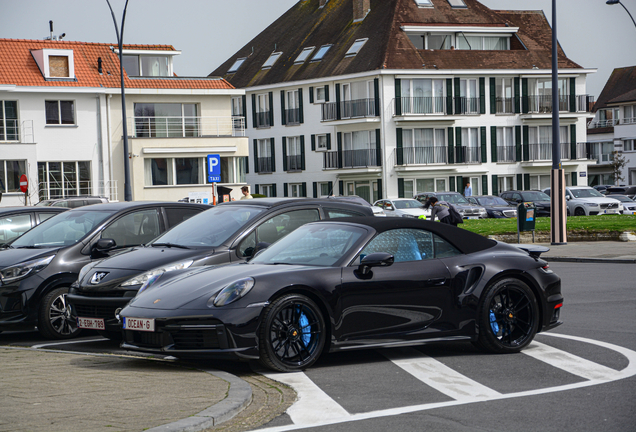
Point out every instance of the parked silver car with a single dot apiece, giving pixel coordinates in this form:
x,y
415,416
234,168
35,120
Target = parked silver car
x,y
587,201
402,207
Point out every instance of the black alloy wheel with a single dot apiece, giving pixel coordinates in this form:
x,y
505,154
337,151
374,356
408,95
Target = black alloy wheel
x,y
292,334
579,211
508,317
54,318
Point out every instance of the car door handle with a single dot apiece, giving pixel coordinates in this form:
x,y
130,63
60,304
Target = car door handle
x,y
437,281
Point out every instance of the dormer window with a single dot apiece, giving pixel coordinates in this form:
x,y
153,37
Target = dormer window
x,y
457,4
424,3
305,53
321,53
356,47
271,60
146,66
55,63
237,64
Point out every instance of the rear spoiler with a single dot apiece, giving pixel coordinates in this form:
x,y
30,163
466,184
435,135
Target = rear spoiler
x,y
535,251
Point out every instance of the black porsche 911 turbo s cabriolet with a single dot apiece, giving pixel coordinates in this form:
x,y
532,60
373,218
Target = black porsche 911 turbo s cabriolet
x,y
346,284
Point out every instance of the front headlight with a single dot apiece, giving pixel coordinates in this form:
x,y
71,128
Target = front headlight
x,y
232,292
497,213
591,204
144,277
22,270
409,216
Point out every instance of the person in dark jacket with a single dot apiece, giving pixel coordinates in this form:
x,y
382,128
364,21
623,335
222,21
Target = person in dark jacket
x,y
440,209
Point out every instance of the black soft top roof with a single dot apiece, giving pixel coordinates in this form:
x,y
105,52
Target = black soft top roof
x,y
466,241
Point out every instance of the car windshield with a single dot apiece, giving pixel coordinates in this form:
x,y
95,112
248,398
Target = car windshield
x,y
586,193
492,201
318,244
452,198
407,204
535,196
211,227
65,229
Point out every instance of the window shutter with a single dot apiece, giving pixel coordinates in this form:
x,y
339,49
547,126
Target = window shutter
x,y
574,178
493,96
400,188
458,102
449,96
271,108
482,95
311,95
330,187
484,184
313,142
458,145
339,136
301,115
516,96
526,147
379,189
451,183
518,143
398,97
376,91
341,187
495,185
247,164
244,109
283,118
378,147
284,153
572,95
304,189
255,156
399,143
338,101
254,123
493,143
271,141
451,146
328,141
520,182
256,190
315,190
484,150
285,193
326,92
573,154
460,184
526,182
302,152
274,194
524,95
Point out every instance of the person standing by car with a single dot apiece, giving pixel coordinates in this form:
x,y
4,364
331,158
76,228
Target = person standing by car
x,y
441,209
468,191
246,193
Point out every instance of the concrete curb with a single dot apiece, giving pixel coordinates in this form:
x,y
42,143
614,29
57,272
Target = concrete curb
x,y
591,260
238,398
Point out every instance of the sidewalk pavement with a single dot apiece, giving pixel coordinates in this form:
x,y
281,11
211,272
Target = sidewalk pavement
x,y
73,392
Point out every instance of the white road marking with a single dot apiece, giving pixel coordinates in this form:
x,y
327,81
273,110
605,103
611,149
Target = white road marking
x,y
68,342
439,376
313,404
606,376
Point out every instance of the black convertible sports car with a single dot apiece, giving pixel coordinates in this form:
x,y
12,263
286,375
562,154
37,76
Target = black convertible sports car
x,y
346,284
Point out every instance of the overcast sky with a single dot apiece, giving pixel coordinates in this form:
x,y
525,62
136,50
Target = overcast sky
x,y
207,32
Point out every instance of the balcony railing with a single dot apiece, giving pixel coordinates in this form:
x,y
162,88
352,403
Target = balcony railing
x,y
543,103
12,130
602,153
292,116
506,154
603,123
294,163
421,105
263,119
265,164
422,155
186,127
543,151
468,155
467,105
71,188
351,159
357,108
504,105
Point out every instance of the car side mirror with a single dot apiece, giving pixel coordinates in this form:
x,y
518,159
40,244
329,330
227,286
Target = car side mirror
x,y
377,259
568,198
253,252
105,244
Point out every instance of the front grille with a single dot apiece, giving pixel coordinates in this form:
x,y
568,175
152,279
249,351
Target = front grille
x,y
510,213
89,311
145,339
102,293
471,212
195,339
609,206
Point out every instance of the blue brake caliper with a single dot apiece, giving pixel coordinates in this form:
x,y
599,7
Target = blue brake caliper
x,y
493,322
305,328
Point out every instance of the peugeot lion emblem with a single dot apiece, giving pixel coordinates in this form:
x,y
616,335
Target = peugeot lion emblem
x,y
97,277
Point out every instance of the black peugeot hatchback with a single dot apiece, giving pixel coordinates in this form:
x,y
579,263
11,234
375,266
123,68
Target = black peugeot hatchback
x,y
230,232
37,268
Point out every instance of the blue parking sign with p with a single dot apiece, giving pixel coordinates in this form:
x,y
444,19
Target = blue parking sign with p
x,y
214,168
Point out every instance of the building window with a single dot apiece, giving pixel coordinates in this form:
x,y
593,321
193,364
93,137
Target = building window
x,y
539,182
321,142
271,60
160,120
320,94
233,169
262,110
442,41
457,3
470,149
423,96
628,145
296,190
488,43
292,107
504,96
431,185
506,151
145,65
320,53
423,3
174,171
58,67
63,179
294,154
358,99
324,190
304,54
10,172
9,125
629,116
469,94
237,106
506,183
264,156
267,190
423,146
237,64
540,142
60,112
356,47
541,95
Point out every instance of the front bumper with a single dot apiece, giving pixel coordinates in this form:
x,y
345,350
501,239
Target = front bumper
x,y
102,306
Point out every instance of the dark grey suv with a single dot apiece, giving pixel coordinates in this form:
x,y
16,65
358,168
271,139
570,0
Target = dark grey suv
x,y
37,268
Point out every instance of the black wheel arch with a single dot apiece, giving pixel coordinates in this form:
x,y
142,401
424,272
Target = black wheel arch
x,y
55,281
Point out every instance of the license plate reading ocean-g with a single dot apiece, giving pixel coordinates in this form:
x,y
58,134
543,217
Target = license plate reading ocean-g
x,y
141,324
91,323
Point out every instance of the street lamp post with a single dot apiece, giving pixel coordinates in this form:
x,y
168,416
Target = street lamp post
x,y
613,2
120,42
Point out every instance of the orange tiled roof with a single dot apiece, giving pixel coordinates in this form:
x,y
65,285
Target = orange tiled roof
x,y
18,67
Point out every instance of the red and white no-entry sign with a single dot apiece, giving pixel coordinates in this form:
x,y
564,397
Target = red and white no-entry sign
x,y
24,183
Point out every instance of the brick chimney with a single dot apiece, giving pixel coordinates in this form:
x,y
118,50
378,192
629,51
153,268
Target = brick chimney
x,y
360,9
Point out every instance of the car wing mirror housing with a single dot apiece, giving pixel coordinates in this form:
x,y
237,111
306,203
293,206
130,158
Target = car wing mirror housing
x,y
377,259
105,244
